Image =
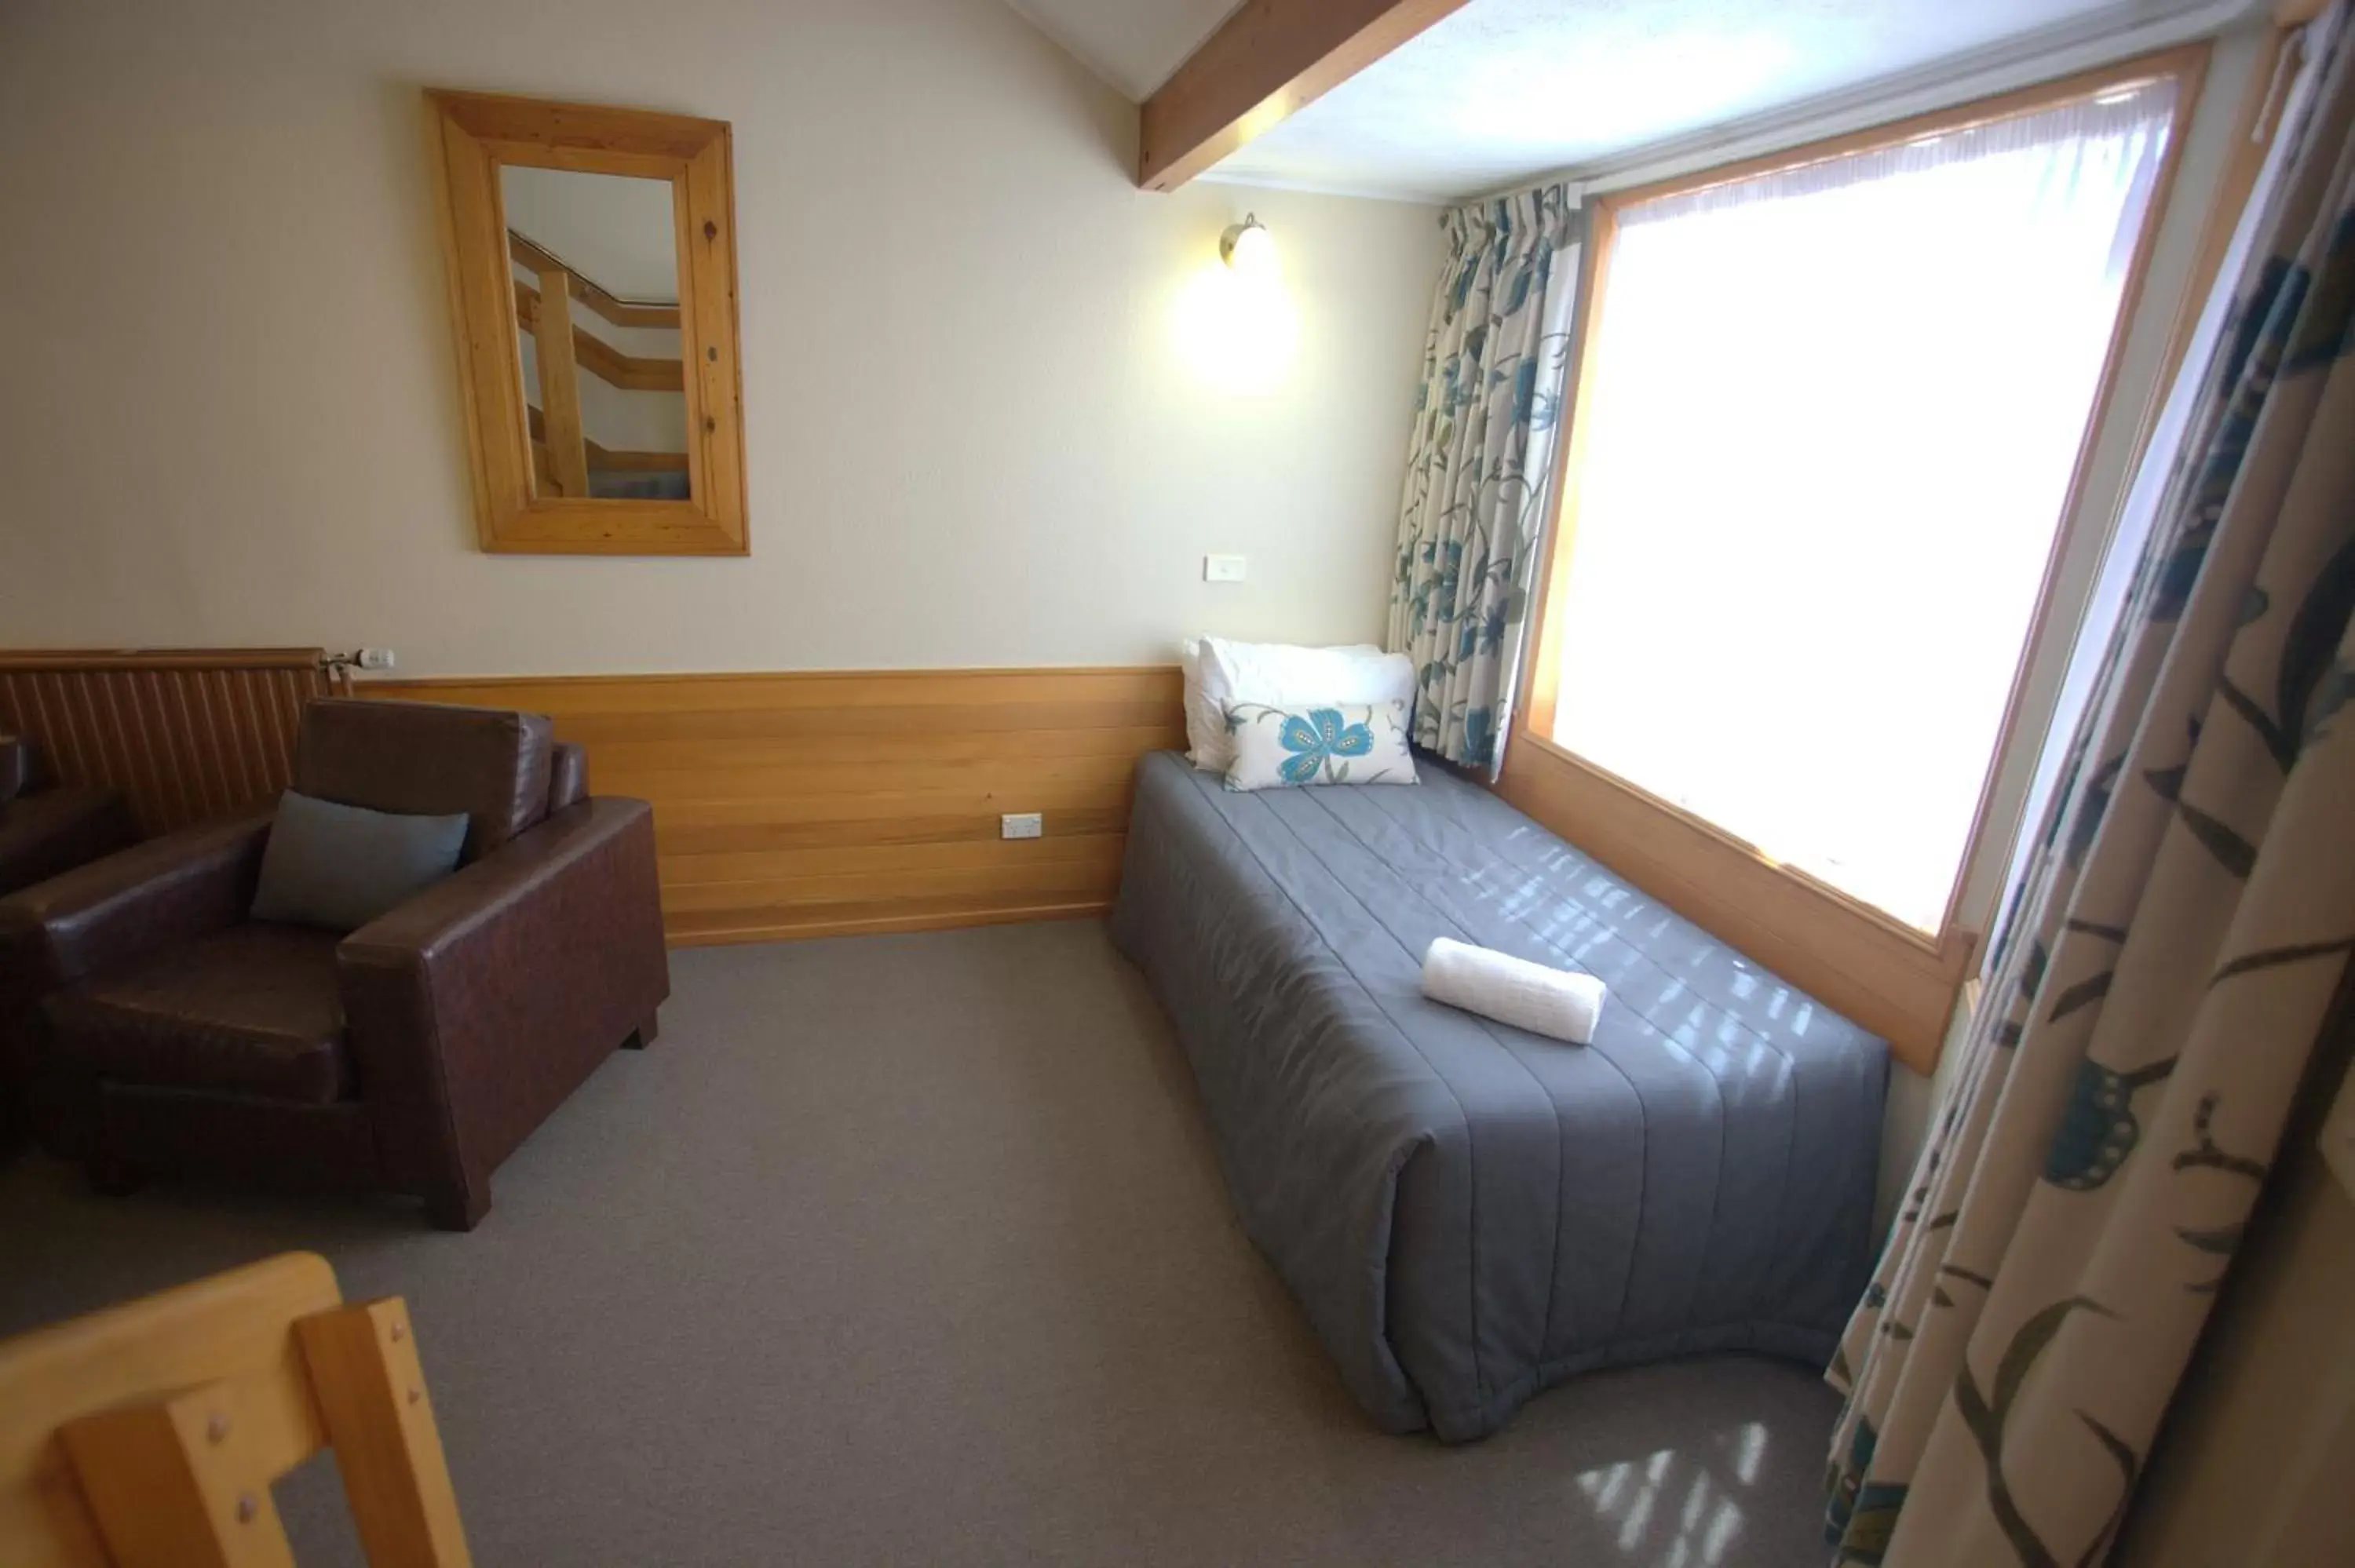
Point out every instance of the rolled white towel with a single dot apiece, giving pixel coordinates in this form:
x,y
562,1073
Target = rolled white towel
x,y
1513,990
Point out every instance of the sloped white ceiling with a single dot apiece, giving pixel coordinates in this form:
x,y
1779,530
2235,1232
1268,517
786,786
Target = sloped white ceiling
x,y
1133,45
1507,89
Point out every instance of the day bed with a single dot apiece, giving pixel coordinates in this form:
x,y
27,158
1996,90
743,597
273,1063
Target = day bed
x,y
177,1035
1467,1212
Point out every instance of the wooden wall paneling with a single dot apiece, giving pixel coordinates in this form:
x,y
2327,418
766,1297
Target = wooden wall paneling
x,y
818,803
1900,984
184,735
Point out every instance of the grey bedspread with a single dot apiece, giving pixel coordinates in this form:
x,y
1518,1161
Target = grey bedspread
x,y
1469,1214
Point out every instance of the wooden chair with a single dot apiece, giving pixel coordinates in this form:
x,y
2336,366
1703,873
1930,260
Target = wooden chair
x,y
148,1434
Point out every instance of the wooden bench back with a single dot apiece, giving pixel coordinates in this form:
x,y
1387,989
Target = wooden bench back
x,y
148,1434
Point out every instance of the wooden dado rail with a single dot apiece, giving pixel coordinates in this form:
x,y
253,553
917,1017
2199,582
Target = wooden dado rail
x,y
816,803
183,735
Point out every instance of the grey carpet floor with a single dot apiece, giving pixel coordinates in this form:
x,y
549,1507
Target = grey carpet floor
x,y
913,1250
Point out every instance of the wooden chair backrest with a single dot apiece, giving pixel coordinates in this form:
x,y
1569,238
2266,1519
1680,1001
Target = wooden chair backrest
x,y
149,1434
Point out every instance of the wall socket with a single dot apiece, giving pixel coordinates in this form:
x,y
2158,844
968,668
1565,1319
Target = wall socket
x,y
1021,825
1222,569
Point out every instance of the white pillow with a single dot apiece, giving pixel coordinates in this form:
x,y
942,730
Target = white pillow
x,y
1221,672
1341,743
1206,716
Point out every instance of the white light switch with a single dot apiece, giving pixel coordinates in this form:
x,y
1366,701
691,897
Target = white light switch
x,y
1222,569
1020,825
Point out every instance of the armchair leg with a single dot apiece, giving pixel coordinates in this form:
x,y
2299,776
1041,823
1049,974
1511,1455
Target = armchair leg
x,y
457,1207
642,1035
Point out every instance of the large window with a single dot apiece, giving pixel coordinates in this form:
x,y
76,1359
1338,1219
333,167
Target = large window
x,y
1830,420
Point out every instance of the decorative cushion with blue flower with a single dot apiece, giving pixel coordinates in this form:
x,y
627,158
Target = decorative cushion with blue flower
x,y
1341,743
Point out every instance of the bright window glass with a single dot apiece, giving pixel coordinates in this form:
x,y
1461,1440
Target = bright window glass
x,y
1833,418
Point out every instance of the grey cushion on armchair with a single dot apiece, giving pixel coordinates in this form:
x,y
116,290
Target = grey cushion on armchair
x,y
339,867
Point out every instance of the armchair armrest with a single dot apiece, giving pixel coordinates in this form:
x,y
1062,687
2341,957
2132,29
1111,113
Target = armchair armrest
x,y
477,1006
166,890
53,831
16,767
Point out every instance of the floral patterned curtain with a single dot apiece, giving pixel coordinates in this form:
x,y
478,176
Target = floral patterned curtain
x,y
2183,928
1479,467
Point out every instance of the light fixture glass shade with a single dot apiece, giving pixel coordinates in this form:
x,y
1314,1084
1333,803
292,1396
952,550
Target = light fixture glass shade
x,y
1249,249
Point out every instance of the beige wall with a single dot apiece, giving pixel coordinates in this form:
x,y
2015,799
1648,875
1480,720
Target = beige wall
x,y
976,431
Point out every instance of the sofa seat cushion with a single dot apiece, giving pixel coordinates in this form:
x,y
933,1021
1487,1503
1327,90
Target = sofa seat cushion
x,y
252,1010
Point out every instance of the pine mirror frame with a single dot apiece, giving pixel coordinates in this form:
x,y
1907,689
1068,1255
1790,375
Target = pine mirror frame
x,y
474,136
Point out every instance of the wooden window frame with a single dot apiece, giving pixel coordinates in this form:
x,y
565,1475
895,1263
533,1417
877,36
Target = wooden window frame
x,y
1896,980
474,136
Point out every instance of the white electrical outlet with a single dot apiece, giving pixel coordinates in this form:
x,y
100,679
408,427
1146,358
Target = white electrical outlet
x,y
376,658
1222,569
1021,825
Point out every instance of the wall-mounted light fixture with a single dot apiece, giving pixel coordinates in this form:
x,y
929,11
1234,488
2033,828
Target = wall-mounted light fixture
x,y
1249,249
1234,319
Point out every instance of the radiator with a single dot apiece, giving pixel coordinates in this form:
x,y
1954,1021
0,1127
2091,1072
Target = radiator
x,y
183,735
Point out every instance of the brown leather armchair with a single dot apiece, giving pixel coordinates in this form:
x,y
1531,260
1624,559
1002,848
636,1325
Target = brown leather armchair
x,y
175,1035
46,831
43,831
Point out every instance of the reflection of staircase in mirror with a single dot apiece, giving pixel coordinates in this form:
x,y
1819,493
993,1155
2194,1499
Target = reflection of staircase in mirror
x,y
565,462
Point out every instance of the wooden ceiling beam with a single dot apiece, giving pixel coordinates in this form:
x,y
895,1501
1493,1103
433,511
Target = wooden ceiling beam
x,y
1267,61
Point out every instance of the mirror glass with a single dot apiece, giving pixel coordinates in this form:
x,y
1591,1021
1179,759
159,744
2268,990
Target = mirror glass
x,y
595,264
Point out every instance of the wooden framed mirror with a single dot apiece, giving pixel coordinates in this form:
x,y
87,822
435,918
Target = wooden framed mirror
x,y
592,282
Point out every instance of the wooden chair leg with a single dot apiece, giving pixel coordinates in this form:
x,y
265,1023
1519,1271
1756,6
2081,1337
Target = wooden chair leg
x,y
642,1035
371,1389
181,1484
